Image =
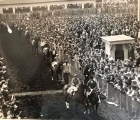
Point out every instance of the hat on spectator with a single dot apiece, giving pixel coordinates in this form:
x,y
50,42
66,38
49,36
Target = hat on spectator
x,y
138,76
75,75
128,73
4,86
134,83
132,70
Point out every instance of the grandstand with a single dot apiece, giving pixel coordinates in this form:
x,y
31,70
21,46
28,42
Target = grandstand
x,y
30,4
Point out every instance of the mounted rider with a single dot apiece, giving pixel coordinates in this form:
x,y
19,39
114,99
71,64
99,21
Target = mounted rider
x,y
75,82
92,85
53,66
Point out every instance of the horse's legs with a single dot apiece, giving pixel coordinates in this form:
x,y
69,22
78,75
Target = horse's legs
x,y
97,104
57,77
52,73
44,56
37,50
86,106
4,110
67,101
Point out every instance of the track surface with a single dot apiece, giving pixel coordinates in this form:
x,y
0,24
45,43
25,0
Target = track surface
x,y
31,73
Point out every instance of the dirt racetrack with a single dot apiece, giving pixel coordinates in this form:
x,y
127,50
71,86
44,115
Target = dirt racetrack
x,y
31,73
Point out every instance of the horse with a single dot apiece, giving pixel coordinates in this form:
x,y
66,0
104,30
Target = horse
x,y
94,99
34,46
79,97
20,30
27,35
46,52
60,69
55,72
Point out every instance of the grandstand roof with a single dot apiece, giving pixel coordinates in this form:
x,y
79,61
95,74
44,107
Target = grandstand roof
x,y
12,2
117,39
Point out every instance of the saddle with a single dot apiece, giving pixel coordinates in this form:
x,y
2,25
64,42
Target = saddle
x,y
71,90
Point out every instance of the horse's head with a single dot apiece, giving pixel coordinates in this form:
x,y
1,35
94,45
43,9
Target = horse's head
x,y
33,42
45,50
83,85
93,97
96,96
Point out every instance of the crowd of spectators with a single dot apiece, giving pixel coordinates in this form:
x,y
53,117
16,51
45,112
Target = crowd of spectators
x,y
80,38
9,105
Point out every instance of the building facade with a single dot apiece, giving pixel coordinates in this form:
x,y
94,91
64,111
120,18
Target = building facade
x,y
10,6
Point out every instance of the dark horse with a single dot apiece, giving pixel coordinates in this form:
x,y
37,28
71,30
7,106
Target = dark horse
x,y
94,99
34,43
79,97
46,52
20,30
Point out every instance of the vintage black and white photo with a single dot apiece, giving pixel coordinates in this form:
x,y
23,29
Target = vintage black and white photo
x,y
70,59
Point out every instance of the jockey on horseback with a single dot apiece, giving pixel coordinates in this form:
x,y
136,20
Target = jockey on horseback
x,y
92,84
74,85
53,64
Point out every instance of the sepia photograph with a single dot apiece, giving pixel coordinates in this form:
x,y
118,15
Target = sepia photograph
x,y
70,59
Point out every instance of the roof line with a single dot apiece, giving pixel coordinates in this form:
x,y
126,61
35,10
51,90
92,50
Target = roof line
x,y
40,2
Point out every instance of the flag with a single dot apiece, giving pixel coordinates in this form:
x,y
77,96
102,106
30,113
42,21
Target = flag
x,y
9,29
